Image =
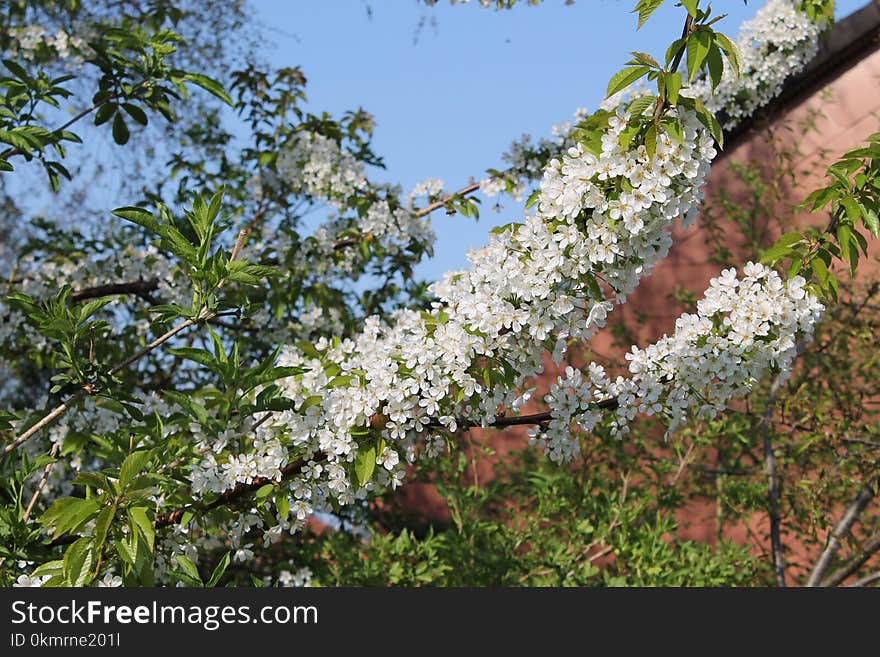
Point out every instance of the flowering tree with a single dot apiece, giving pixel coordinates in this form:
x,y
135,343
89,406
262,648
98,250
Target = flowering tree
x,y
217,379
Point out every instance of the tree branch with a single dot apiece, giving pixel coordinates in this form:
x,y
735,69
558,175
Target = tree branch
x,y
514,420
867,579
243,489
140,288
869,549
464,191
852,513
61,409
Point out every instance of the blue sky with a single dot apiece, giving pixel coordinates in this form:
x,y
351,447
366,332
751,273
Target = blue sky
x,y
451,86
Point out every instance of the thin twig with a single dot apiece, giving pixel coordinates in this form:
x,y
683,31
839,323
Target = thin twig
x,y
862,441
869,549
46,472
236,492
62,408
428,209
464,191
867,579
17,151
853,511
515,420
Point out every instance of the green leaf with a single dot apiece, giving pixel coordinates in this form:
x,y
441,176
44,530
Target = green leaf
x,y
782,247
673,129
673,86
218,571
365,464
263,492
697,50
19,72
102,525
853,211
819,198
282,505
871,221
646,59
94,479
140,521
132,466
140,217
820,269
105,113
120,130
708,119
68,514
78,560
189,568
313,400
691,6
135,113
645,8
625,77
732,52
51,568
844,235
716,66
651,141
533,198
201,357
210,85
593,287
638,106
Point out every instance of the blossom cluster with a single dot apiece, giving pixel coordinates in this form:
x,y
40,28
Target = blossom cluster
x,y
744,328
30,41
776,44
316,165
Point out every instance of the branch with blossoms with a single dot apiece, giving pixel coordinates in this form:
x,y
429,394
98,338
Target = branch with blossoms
x,y
536,284
341,417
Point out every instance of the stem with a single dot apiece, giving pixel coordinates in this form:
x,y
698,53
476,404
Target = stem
x,y
464,191
773,489
867,579
514,420
676,62
775,520
61,409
